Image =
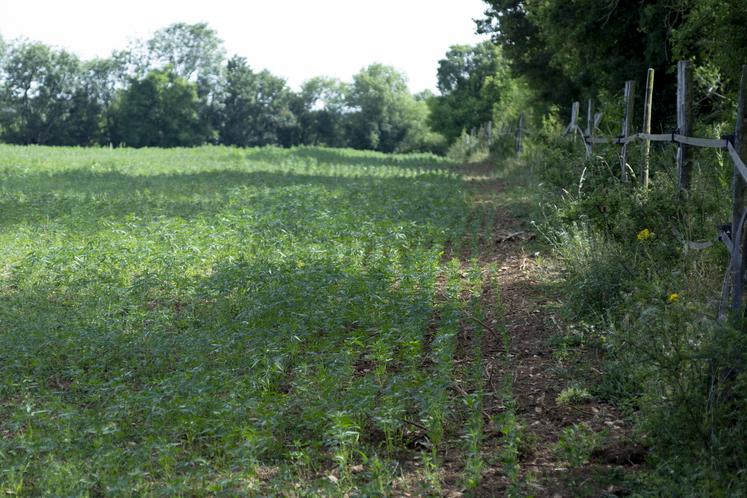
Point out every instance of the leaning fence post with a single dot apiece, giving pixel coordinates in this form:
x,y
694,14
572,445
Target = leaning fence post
x,y
597,120
684,123
589,126
647,108
575,110
739,251
627,126
571,128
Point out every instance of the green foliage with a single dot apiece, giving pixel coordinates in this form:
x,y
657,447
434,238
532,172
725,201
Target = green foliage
x,y
469,89
651,302
420,136
177,89
45,97
192,51
255,108
321,110
577,443
469,148
588,49
161,110
226,321
573,395
384,115
713,34
477,87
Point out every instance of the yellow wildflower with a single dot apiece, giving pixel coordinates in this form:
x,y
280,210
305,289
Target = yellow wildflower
x,y
673,297
644,234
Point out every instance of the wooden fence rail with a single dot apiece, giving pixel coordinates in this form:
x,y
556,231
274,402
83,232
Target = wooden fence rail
x,y
733,235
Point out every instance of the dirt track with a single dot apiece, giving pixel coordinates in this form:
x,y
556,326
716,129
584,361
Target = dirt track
x,y
538,374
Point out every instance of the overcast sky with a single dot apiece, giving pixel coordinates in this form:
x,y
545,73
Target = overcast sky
x,y
295,39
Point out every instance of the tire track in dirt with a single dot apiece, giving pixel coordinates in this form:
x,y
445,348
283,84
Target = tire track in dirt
x,y
533,373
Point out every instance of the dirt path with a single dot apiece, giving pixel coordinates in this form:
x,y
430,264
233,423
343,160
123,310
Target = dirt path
x,y
525,373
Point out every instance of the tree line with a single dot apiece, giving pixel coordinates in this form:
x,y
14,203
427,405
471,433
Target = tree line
x,y
180,89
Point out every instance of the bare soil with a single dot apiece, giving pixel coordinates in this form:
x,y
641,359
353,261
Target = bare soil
x,y
539,374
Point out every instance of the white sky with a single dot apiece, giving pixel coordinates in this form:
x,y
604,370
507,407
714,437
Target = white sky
x,y
294,39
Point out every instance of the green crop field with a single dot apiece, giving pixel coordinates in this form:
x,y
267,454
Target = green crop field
x,y
233,322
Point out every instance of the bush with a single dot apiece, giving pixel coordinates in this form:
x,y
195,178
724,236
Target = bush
x,y
469,148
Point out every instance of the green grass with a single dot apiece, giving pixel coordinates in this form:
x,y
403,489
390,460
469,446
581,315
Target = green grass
x,y
225,321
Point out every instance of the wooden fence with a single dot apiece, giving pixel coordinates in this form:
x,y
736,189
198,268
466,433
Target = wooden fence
x,y
732,235
488,133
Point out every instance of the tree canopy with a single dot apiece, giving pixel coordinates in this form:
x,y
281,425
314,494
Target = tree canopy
x,y
256,107
161,109
472,81
572,50
179,89
41,94
383,108
193,51
321,110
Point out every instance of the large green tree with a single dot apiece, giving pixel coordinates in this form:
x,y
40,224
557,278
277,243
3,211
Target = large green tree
x,y
160,110
193,51
87,121
585,48
321,110
383,110
43,97
472,81
714,35
256,107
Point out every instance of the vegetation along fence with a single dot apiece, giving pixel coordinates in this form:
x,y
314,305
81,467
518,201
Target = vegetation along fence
x,y
488,133
731,234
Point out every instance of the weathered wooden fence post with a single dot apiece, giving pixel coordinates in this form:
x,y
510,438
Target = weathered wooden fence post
x,y
573,125
684,123
597,119
739,252
519,129
627,126
647,108
589,126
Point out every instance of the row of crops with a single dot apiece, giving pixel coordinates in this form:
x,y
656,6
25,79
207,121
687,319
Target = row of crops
x,y
232,321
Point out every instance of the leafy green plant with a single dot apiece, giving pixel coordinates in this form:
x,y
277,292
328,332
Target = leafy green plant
x,y
577,443
510,453
573,395
469,148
